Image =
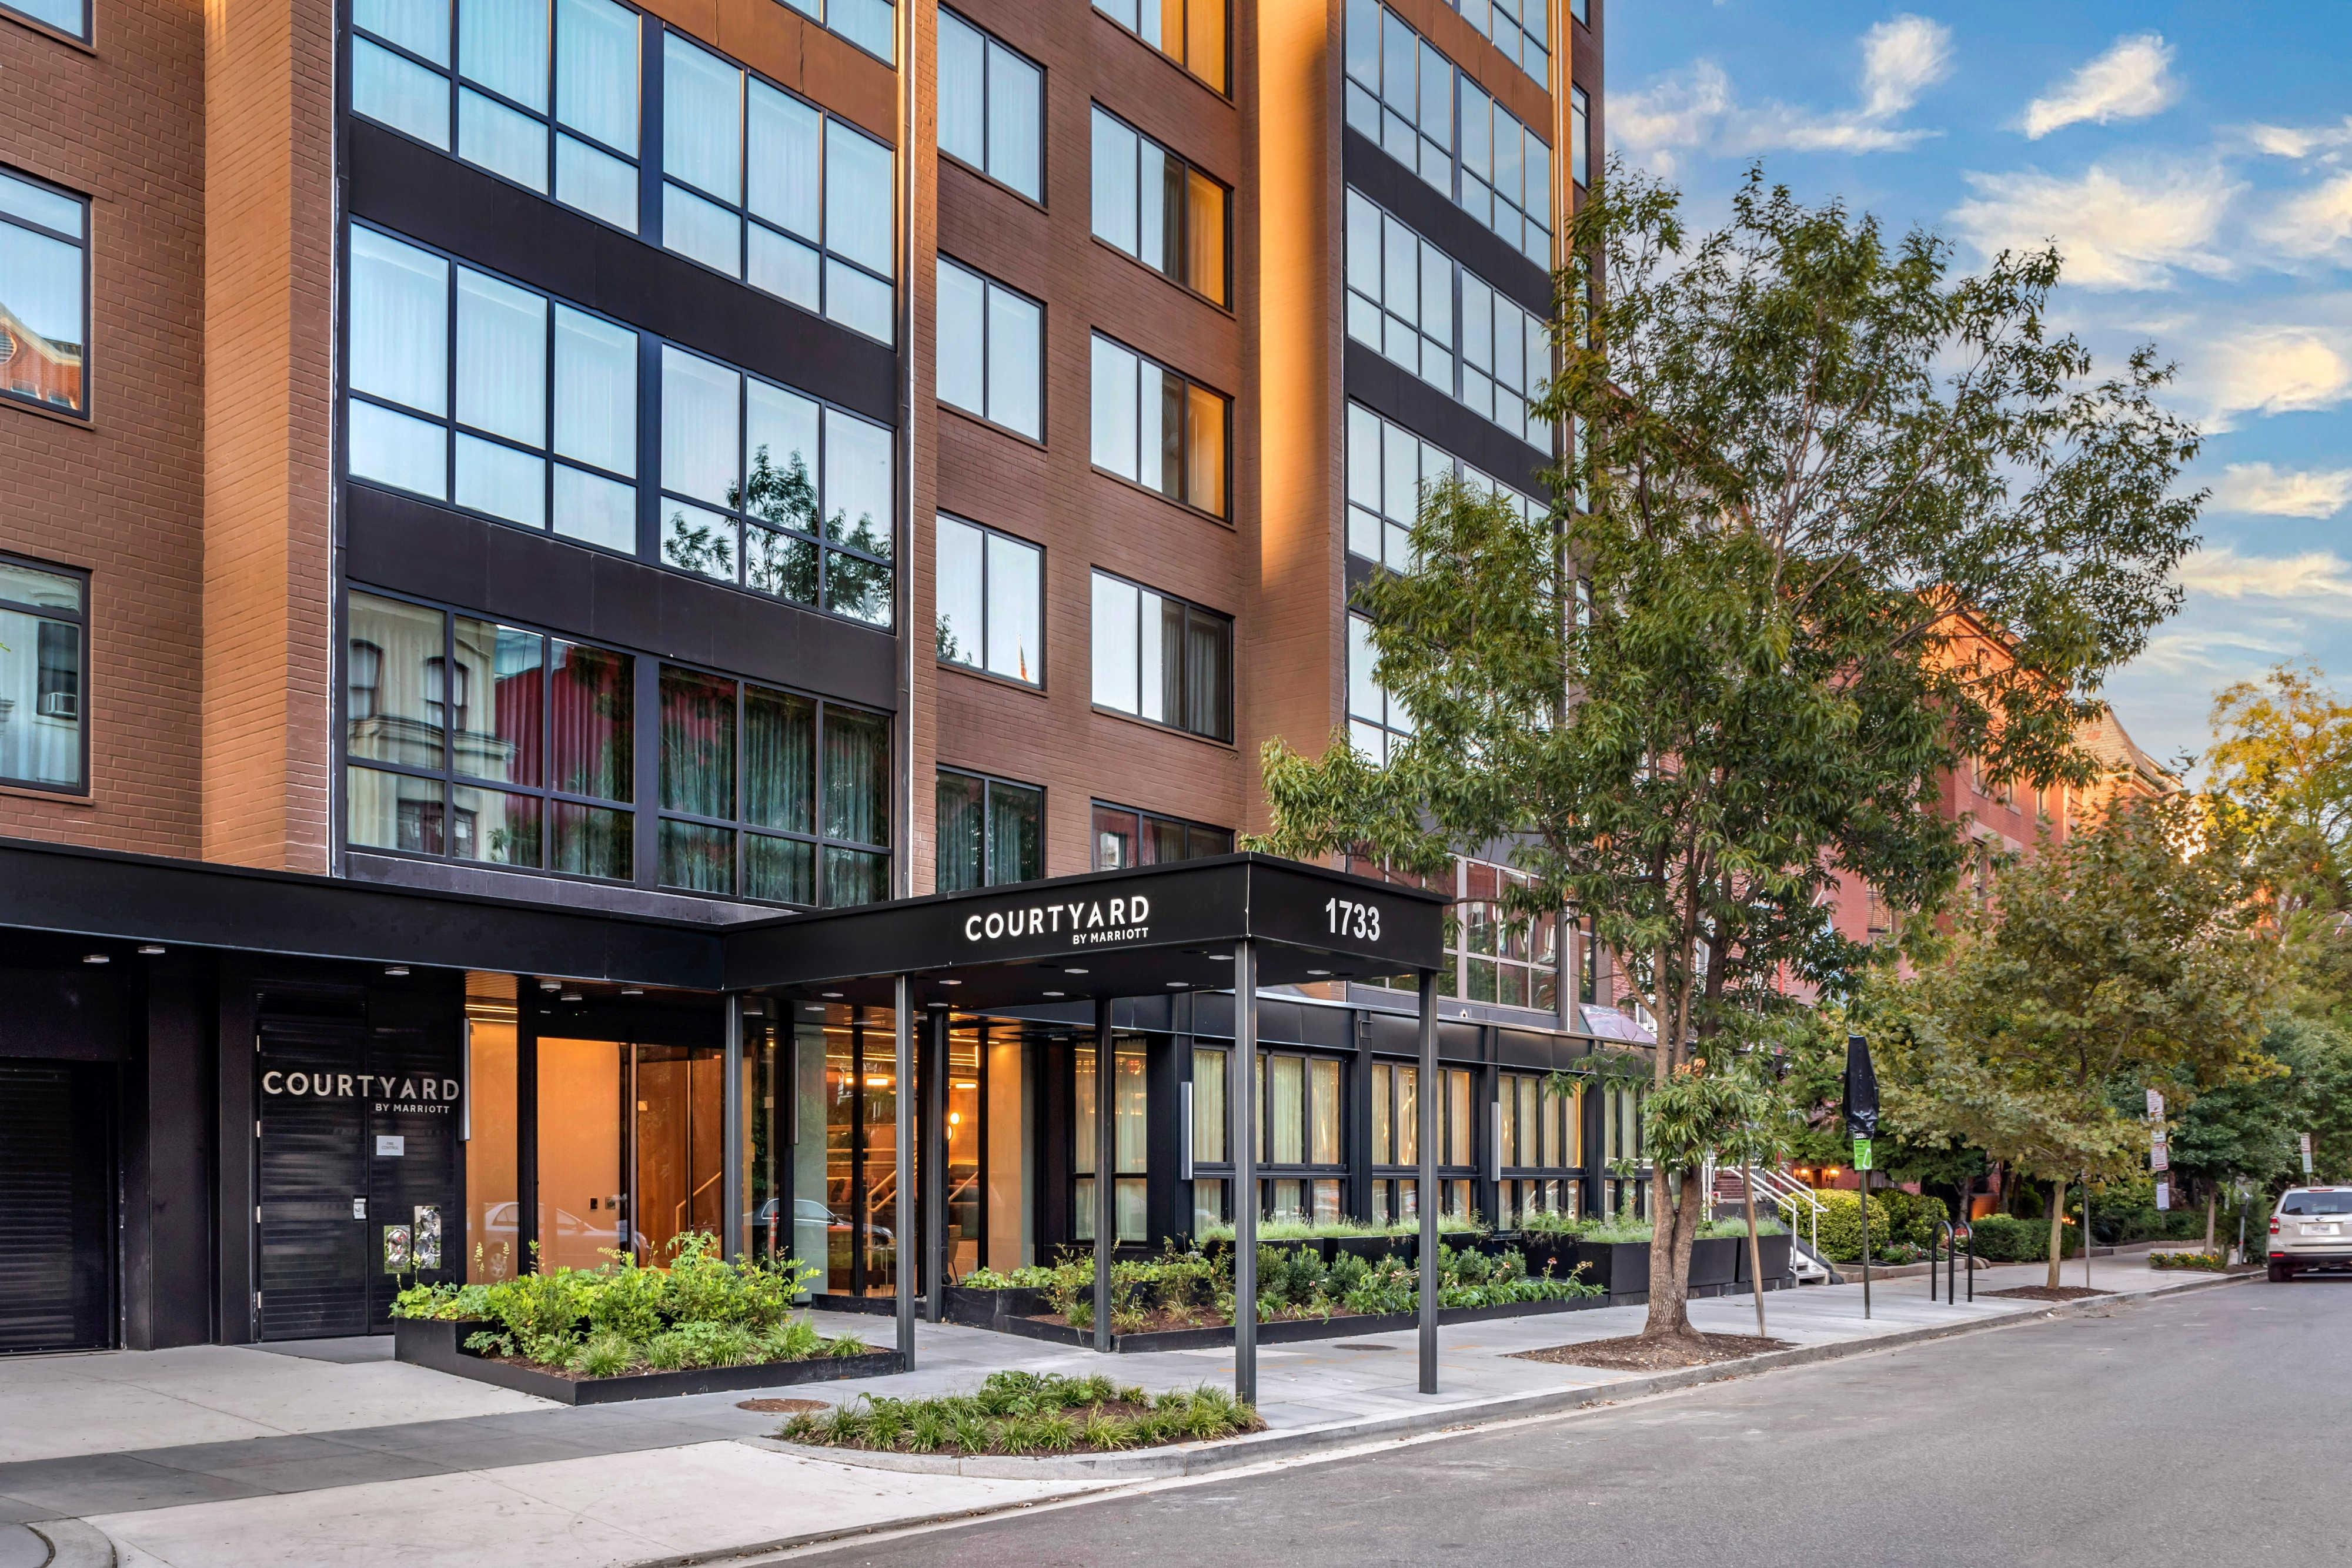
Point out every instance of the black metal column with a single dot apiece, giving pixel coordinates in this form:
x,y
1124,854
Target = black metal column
x,y
934,1166
731,1101
1106,1170
1425,1102
902,1024
1240,1098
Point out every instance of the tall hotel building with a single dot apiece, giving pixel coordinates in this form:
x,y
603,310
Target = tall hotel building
x,y
504,494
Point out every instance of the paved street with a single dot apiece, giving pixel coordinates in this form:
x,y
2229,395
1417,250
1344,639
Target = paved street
x,y
2205,1429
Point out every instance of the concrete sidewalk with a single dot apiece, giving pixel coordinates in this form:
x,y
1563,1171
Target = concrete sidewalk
x,y
425,1478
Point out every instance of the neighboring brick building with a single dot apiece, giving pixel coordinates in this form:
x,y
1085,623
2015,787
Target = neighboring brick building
x,y
574,480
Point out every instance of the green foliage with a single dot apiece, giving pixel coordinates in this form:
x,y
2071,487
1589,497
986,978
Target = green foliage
x,y
2006,1238
1030,1277
700,1311
2206,1262
1897,1219
1027,1413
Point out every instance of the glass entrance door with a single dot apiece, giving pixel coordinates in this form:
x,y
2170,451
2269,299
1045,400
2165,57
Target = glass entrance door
x,y
632,1148
680,1147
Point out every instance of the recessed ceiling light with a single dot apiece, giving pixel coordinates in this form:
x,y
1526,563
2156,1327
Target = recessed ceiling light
x,y
950,982
1052,993
830,996
551,985
1074,969
1318,971
150,949
396,970
935,1004
1221,958
811,1008
95,958
1180,985
633,990
568,996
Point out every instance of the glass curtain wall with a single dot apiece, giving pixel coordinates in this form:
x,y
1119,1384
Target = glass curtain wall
x,y
1129,1130
1543,1144
493,1175
1301,1140
1209,1191
1396,1141
859,1105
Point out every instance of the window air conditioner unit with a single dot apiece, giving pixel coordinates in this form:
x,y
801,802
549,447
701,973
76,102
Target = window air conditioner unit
x,y
61,705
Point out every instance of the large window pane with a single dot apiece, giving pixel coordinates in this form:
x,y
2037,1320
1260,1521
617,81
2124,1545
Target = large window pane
x,y
502,357
962,832
399,322
595,392
1016,109
503,44
1116,606
399,93
1015,630
420,26
857,483
41,679
1323,1112
780,429
702,119
779,760
701,450
1113,210
960,592
591,705
856,777
1015,829
1015,378
1209,1106
392,653
1285,1114
857,198
963,65
1114,400
963,356
596,71
698,745
499,739
786,165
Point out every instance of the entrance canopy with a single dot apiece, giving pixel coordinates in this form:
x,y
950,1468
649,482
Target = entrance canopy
x,y
1107,933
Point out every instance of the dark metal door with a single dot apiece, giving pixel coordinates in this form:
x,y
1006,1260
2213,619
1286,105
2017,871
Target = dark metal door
x,y
56,1242
314,1217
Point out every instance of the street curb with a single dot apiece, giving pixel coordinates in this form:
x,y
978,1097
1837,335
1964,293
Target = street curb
x,y
1233,1453
74,1545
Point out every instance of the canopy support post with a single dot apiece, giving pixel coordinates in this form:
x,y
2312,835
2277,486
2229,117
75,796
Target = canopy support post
x,y
1425,1106
934,1166
732,1235
1105,1169
902,1264
1241,1096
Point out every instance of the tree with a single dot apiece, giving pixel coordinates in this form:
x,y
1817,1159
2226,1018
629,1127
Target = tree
x,y
2240,1130
2123,958
1841,520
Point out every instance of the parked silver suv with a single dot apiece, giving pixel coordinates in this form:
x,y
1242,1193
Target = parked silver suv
x,y
2311,1228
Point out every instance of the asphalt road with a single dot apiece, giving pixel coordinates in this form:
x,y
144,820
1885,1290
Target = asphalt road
x,y
2212,1429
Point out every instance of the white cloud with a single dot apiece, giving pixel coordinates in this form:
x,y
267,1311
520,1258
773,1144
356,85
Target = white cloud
x,y
2315,224
2298,142
2316,582
2115,230
2130,82
2272,369
2260,489
1696,109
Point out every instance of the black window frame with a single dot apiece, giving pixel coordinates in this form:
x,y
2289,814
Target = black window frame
x,y
744,831
1223,736
1580,151
1564,1113
989,40
988,282
1142,819
980,666
44,616
1307,1171
989,784
1222,511
1222,301
39,23
448,775
84,245
1455,1168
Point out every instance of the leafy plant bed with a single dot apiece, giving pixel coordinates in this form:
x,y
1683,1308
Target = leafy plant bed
x,y
439,1344
1027,1413
1634,1354
1290,1330
2206,1262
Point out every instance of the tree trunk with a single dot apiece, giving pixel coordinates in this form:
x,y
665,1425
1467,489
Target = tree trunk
x,y
1672,1230
2057,1226
2212,1202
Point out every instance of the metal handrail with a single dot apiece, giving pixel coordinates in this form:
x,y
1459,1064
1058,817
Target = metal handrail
x,y
1799,1199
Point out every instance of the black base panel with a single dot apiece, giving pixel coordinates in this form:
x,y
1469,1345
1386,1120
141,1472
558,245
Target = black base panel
x,y
438,1344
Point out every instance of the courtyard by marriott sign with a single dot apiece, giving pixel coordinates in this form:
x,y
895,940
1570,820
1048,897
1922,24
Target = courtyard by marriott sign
x,y
1083,922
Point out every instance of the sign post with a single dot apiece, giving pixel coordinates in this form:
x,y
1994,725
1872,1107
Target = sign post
x,y
2306,1157
1862,1125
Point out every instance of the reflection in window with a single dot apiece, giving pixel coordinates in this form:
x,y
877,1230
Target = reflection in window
x,y
474,415
44,314
1161,659
762,186
990,591
1159,209
1402,93
545,97
990,832
1388,467
1579,136
991,351
478,741
871,24
1378,724
992,106
1508,959
749,472
1153,426
1520,28
1189,32
1124,837
44,629
771,796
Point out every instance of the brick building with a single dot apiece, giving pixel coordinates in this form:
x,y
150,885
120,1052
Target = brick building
x,y
503,495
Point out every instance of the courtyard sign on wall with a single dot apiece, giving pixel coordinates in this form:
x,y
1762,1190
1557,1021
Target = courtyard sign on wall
x,y
413,1093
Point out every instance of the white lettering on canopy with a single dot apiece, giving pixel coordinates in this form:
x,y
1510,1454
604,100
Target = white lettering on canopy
x,y
1126,918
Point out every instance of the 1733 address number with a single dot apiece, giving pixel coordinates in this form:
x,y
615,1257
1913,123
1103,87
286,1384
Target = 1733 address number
x,y
1350,918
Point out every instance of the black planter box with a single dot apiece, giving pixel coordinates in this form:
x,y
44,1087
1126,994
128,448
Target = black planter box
x,y
440,1344
1621,1268
1290,1331
988,1308
1371,1248
1542,1249
1715,1261
1774,1252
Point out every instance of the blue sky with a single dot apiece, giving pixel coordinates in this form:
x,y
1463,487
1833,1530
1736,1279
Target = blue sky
x,y
2194,164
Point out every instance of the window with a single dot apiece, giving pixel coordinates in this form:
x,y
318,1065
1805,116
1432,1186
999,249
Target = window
x,y
991,592
43,293
1401,294
1542,1146
1299,1100
1582,10
1579,136
771,796
1161,659
1378,724
1620,1123
990,832
1158,208
1520,28
992,107
1189,32
871,24
69,17
757,183
1396,1139
1124,837
545,96
1388,469
1402,94
749,471
525,410
991,351
534,772
1153,426
1508,959
1208,1138
44,642
1129,1132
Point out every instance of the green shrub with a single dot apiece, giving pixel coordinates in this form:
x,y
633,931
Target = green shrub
x,y
2005,1239
2208,1262
1896,1218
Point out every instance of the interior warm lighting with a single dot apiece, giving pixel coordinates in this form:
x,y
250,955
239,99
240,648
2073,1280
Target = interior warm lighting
x,y
965,1083
875,1083
950,982
830,996
955,1118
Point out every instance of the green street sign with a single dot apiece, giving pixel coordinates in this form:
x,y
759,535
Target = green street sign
x,y
1861,1154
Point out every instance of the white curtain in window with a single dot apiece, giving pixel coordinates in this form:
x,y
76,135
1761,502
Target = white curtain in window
x,y
399,322
501,358
503,45
786,138
596,71
595,392
701,451
702,119
857,198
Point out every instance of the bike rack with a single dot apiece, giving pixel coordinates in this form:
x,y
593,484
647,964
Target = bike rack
x,y
1947,1241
